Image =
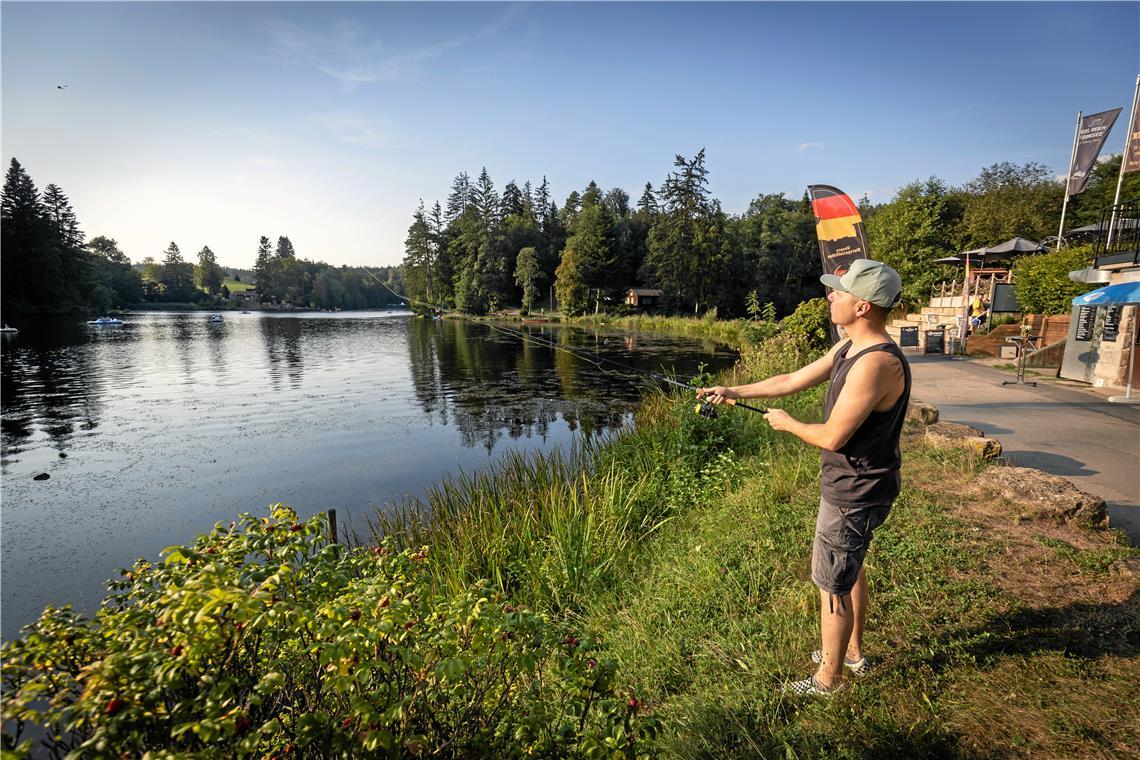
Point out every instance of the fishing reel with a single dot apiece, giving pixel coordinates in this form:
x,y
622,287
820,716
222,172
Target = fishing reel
x,y
706,409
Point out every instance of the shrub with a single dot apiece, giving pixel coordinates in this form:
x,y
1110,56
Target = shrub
x,y
265,638
810,323
1041,282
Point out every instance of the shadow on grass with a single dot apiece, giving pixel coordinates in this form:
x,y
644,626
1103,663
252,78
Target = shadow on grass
x,y
745,733
1076,630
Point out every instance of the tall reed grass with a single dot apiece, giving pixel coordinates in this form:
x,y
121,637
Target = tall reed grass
x,y
553,528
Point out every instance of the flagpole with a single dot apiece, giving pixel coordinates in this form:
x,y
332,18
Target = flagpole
x,y
965,306
1123,161
1068,179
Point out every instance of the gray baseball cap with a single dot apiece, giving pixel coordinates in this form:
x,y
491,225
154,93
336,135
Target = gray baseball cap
x,y
873,281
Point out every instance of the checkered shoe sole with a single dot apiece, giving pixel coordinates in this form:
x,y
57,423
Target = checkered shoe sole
x,y
810,687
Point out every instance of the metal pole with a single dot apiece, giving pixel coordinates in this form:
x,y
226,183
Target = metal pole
x,y
1123,161
1068,179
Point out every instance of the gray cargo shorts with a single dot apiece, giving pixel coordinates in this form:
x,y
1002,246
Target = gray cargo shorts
x,y
842,535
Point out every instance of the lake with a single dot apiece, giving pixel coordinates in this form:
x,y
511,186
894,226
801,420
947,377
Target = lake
x,y
153,431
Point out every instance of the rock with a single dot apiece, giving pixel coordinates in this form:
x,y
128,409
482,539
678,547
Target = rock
x,y
920,411
1129,567
953,435
42,476
1043,495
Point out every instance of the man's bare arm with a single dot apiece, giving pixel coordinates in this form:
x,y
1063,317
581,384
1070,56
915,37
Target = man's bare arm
x,y
873,378
778,385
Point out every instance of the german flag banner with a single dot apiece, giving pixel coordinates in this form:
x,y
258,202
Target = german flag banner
x,y
838,227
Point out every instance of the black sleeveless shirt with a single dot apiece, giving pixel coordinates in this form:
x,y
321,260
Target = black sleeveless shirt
x,y
865,471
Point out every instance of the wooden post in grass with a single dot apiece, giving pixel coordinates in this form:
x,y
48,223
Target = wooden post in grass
x,y
332,525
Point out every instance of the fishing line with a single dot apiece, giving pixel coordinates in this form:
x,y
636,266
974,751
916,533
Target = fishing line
x,y
703,408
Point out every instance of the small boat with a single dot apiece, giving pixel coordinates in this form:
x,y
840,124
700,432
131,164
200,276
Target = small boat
x,y
8,330
245,311
105,322
215,317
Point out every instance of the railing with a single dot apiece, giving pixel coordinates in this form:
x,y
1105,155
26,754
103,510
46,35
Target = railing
x,y
1118,235
982,285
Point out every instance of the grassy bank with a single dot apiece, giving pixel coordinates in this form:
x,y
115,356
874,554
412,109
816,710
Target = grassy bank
x,y
685,548
659,581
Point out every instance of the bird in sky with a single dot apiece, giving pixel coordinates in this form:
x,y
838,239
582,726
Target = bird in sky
x,y
61,87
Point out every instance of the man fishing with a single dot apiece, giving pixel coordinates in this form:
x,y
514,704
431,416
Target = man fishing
x,y
866,401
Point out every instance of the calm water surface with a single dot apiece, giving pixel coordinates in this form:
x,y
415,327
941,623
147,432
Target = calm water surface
x,y
153,431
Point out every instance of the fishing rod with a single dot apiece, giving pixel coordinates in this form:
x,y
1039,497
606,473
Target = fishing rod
x,y
703,408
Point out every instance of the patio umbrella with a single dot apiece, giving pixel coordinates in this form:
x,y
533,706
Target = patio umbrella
x,y
1124,224
1017,245
958,259
1120,294
1111,295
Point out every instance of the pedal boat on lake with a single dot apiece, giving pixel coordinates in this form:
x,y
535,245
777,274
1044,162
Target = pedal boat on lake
x,y
105,321
215,317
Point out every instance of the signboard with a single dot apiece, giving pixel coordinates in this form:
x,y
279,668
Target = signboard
x,y
1112,323
1086,320
908,336
1004,300
935,341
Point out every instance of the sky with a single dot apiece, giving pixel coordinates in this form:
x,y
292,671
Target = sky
x,y
217,123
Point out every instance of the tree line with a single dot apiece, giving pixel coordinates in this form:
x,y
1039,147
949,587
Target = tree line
x,y
482,250
49,267
929,219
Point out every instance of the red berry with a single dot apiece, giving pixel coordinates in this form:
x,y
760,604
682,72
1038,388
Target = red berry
x,y
384,601
508,608
211,550
346,723
294,528
633,703
176,650
114,705
408,625
570,641
591,663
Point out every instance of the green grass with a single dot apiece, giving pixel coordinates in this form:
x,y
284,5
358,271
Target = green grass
x,y
731,332
684,545
237,287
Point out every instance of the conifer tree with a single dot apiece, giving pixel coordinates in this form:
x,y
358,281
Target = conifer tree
x,y
459,198
418,255
177,276
60,215
22,227
512,203
285,249
679,246
485,200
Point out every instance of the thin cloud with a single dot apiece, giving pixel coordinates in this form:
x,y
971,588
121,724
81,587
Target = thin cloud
x,y
811,146
345,51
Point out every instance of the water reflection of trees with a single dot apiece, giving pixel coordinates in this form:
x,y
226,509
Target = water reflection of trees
x,y
494,384
51,383
283,346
